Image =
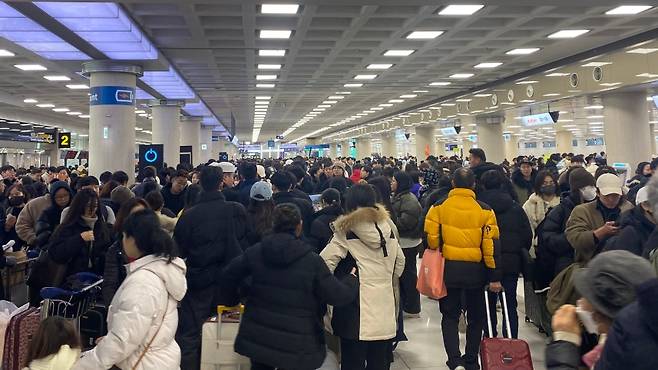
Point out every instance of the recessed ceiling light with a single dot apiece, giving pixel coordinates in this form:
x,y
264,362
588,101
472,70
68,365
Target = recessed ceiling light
x,y
77,87
596,64
482,95
263,97
595,117
30,67
57,78
274,34
551,95
527,82
376,108
140,111
595,123
271,52
269,66
628,9
265,77
594,107
421,91
336,97
365,77
642,51
379,66
408,96
462,75
440,83
557,74
74,113
396,101
31,101
353,85
279,8
329,102
46,105
343,93
488,65
6,53
398,53
61,110
567,34
522,51
324,106
608,84
265,86
386,105
460,9
424,35
87,116
448,104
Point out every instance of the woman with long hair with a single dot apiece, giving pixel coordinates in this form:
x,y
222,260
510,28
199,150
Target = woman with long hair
x,y
17,197
260,212
382,186
320,232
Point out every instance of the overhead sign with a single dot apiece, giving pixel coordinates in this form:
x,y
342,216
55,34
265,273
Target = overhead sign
x,y
112,95
270,143
448,131
548,118
64,140
42,137
151,155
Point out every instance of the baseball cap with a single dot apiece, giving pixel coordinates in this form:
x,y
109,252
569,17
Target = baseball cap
x,y
260,191
609,184
642,195
227,167
260,170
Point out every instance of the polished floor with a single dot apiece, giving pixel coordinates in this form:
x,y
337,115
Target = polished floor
x,y
425,347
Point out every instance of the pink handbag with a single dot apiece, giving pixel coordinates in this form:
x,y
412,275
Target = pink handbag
x,y
430,276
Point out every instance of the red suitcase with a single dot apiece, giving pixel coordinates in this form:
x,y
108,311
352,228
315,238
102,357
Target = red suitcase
x,y
503,353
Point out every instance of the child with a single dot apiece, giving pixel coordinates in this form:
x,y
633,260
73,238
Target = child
x,y
56,346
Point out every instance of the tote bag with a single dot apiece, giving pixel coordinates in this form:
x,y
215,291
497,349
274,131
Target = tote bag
x,y
430,276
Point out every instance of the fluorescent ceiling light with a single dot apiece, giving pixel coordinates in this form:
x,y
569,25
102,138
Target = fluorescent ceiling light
x,y
353,85
424,35
334,97
628,9
522,51
642,51
263,97
379,66
87,116
266,77
74,113
527,82
61,110
595,123
448,104
408,96
57,78
594,107
398,53
32,101
396,101
386,105
30,67
462,75
269,66
274,34
551,95
329,102
557,74
6,53
460,9
488,65
595,117
482,95
272,52
365,77
169,83
596,64
265,86
279,8
608,84
421,91
140,111
567,34
77,87
46,105
324,106
376,108
441,83
343,93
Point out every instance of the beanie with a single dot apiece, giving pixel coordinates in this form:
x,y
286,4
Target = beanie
x,y
121,194
580,178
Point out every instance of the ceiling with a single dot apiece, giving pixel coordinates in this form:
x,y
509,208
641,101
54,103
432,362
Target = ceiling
x,y
214,46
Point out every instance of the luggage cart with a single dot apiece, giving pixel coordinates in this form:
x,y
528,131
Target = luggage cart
x,y
14,281
218,339
71,304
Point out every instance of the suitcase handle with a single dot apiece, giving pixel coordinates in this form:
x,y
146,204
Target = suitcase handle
x,y
505,311
221,309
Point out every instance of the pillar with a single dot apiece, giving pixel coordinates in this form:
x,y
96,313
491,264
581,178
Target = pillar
x,y
626,125
363,148
466,145
111,116
218,147
511,146
389,146
652,135
166,128
564,141
206,144
424,142
490,138
190,135
53,155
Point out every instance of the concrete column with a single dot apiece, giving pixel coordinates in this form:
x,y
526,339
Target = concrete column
x,y
206,144
166,128
424,142
511,146
490,139
652,135
626,126
112,116
564,141
190,134
53,155
363,147
333,150
389,146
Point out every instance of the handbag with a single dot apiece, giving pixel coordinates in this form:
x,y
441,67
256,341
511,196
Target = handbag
x,y
562,289
430,275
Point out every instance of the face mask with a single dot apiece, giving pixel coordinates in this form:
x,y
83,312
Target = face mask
x,y
587,318
588,193
547,189
16,201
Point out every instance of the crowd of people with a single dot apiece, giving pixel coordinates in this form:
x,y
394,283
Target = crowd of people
x,y
319,248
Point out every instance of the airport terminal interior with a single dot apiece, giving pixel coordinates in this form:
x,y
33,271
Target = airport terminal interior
x,y
88,87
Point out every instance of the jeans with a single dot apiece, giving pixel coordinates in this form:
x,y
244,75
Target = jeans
x,y
365,355
409,296
510,284
451,307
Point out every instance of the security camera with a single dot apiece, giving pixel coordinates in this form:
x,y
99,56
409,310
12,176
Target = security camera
x,y
457,128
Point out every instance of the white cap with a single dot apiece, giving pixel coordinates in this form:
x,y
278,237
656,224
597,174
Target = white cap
x,y
609,184
227,167
642,195
260,170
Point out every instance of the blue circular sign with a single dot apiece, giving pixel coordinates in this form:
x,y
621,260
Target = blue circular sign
x,y
151,155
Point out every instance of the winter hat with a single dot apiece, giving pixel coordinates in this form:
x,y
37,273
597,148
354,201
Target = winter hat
x,y
609,280
260,191
580,178
121,194
431,177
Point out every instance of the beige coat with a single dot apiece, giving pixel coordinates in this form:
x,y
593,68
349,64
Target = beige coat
x,y
379,270
536,208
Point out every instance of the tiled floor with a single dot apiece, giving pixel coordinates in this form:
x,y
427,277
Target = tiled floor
x,y
425,347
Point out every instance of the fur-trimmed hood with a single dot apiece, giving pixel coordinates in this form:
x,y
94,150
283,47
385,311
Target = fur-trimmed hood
x,y
362,222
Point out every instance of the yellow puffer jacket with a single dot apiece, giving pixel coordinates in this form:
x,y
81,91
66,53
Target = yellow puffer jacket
x,y
465,230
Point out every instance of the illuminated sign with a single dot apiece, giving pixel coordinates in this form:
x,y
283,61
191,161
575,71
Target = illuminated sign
x,y
112,95
64,140
448,131
540,119
151,155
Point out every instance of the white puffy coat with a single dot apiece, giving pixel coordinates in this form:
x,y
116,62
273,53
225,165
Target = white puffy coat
x,y
151,287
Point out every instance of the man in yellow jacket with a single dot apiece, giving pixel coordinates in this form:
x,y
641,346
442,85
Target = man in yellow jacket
x,y
466,232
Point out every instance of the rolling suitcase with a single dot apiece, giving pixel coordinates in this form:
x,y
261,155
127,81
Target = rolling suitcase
x,y
18,337
218,338
503,353
532,305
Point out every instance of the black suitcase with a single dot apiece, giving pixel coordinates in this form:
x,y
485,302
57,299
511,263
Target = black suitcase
x,y
93,325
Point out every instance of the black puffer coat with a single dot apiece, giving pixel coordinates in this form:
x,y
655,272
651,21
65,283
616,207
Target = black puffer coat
x,y
635,231
515,231
554,252
286,300
50,218
320,232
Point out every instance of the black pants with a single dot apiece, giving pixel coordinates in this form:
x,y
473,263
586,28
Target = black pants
x,y
409,295
196,307
365,355
451,308
510,284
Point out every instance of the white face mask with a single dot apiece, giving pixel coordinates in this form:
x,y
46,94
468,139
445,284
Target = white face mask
x,y
588,193
587,318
